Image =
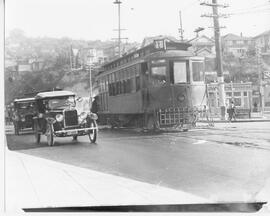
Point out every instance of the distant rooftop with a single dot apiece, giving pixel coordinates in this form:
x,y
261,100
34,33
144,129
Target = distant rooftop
x,y
262,34
231,36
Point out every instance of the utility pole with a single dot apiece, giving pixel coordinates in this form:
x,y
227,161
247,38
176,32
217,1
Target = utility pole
x,y
181,31
260,73
118,2
215,16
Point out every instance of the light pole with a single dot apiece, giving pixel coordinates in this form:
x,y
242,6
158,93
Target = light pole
x,y
90,77
118,2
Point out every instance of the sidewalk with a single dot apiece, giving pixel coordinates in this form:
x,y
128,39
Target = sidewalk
x,y
32,182
261,119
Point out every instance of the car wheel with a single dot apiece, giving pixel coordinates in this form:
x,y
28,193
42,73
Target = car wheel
x,y
93,133
75,138
49,133
37,134
16,128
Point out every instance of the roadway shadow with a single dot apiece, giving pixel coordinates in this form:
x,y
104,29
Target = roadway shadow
x,y
27,141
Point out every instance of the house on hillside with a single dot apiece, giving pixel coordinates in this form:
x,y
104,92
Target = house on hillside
x,y
235,45
263,40
203,46
87,56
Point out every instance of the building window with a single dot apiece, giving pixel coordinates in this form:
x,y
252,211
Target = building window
x,y
228,94
245,93
237,94
138,85
237,101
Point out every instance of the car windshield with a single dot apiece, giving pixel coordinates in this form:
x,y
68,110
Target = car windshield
x,y
61,103
25,106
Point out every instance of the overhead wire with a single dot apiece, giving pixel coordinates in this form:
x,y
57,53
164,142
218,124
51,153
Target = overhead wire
x,y
264,6
250,12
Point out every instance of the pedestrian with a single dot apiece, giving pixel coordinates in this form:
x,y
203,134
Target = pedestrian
x,y
206,112
231,111
255,107
94,107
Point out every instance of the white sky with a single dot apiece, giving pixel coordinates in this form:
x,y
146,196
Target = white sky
x,y
96,19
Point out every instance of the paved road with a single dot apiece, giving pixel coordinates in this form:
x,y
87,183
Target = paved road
x,y
227,162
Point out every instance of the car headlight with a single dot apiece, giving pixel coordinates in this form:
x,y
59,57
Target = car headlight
x,y
93,116
59,117
23,119
83,115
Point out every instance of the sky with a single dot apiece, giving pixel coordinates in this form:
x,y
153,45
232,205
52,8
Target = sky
x,y
96,19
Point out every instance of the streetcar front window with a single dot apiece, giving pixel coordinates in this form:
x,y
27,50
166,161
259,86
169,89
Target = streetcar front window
x,y
180,72
198,71
158,75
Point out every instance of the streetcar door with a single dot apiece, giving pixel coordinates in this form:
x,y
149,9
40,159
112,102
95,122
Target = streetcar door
x,y
145,75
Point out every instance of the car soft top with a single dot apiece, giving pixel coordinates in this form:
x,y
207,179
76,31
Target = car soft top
x,y
24,100
52,94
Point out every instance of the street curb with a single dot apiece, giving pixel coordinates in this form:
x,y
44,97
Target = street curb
x,y
238,121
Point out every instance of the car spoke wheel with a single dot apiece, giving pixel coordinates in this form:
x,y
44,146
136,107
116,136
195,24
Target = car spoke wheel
x,y
37,134
16,128
50,138
93,133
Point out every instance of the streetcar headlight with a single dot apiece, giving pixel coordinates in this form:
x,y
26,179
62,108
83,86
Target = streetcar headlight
x,y
59,117
181,98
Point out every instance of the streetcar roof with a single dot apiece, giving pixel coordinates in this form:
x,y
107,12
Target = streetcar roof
x,y
17,100
52,94
177,46
171,53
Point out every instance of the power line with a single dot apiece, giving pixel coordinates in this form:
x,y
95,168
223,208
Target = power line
x,y
258,7
250,12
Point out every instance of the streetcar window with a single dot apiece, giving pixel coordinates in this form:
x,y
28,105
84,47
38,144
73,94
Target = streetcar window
x,y
138,86
180,72
158,75
197,71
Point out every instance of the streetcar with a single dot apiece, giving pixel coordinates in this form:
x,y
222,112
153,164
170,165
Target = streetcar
x,y
158,85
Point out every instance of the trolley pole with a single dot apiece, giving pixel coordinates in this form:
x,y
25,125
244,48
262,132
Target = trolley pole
x,y
181,31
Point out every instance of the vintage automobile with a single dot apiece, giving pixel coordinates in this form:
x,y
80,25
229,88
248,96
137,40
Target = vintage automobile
x,y
56,116
22,114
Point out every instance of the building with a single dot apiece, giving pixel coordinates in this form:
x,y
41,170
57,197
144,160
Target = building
x,y
235,45
239,93
263,41
203,46
87,56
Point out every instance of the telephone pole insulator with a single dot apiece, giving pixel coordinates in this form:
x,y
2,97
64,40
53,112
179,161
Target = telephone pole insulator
x,y
214,4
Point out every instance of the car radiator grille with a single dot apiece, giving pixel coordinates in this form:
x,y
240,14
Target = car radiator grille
x,y
71,117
